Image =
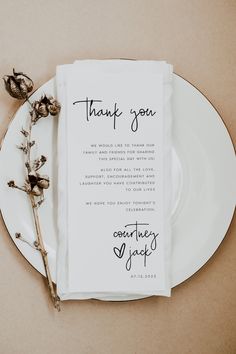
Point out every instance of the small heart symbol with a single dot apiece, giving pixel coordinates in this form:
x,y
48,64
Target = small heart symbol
x,y
119,252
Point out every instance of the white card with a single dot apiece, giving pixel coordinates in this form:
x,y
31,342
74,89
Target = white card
x,y
117,229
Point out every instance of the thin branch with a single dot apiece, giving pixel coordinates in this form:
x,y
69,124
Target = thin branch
x,y
18,86
28,138
20,188
20,237
39,245
39,239
41,248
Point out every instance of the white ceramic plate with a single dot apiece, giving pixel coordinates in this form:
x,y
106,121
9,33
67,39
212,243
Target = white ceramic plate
x,y
206,180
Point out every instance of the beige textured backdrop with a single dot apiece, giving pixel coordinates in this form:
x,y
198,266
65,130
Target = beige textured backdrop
x,y
198,37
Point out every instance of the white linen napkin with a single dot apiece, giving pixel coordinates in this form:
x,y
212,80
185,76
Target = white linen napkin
x,y
114,179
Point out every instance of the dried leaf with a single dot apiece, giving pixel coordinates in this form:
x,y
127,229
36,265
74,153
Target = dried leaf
x,y
11,184
23,147
24,132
